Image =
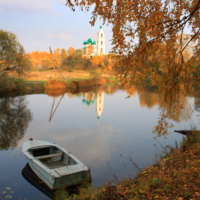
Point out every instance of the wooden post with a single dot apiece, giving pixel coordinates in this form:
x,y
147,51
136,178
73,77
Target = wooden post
x,y
56,62
52,61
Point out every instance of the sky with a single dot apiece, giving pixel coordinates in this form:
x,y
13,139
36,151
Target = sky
x,y
39,24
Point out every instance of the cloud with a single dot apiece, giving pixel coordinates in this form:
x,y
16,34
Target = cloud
x,y
50,35
64,35
29,6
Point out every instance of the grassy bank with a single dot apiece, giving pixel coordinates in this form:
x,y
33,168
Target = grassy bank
x,y
65,84
176,176
35,82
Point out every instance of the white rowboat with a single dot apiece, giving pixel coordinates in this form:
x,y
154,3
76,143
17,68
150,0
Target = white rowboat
x,y
54,165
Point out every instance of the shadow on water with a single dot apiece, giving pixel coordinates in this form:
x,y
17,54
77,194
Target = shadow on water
x,y
32,178
14,120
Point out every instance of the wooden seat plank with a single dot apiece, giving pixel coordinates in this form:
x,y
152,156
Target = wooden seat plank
x,y
49,156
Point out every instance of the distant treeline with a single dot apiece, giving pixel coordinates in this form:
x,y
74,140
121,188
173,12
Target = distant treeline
x,y
70,60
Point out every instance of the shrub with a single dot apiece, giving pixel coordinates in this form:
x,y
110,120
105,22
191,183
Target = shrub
x,y
8,83
74,84
82,84
55,84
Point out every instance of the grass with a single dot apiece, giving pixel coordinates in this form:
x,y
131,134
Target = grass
x,y
49,75
176,176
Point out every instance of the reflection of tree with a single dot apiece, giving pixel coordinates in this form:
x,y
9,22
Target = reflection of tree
x,y
177,110
111,89
172,102
14,120
147,98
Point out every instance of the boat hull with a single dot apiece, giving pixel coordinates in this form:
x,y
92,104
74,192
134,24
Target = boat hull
x,y
59,177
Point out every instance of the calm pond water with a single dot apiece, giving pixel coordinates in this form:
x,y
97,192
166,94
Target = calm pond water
x,y
103,129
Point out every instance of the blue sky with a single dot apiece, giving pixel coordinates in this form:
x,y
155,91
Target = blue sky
x,y
43,23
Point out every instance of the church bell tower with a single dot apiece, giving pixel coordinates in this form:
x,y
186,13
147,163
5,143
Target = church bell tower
x,y
100,45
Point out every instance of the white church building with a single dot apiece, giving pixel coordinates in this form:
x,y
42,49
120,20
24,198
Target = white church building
x,y
92,48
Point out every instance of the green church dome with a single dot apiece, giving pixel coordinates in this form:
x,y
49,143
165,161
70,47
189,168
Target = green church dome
x,y
84,42
100,27
94,42
89,41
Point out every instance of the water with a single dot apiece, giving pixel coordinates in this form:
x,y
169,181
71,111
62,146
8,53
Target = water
x,y
103,129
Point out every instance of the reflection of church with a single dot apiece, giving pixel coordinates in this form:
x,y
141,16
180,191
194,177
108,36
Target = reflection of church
x,y
99,103
98,98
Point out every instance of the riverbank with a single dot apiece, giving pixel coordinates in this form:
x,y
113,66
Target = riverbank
x,y
35,82
74,85
176,176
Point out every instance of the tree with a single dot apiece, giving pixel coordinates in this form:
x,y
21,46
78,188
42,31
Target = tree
x,y
188,52
34,63
63,55
144,38
36,57
45,63
73,55
79,53
70,50
151,23
57,56
11,51
95,61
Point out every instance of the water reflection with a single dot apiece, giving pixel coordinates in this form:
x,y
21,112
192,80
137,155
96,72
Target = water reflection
x,y
124,130
177,111
97,98
32,178
14,120
54,110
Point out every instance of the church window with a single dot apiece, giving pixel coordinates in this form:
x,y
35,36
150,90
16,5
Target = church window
x,y
101,35
99,109
101,50
101,43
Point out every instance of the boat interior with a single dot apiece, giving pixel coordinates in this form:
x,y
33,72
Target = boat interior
x,y
52,156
